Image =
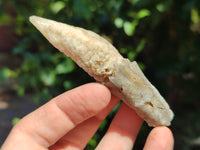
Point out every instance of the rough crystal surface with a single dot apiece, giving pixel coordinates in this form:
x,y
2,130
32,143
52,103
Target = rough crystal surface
x,y
103,62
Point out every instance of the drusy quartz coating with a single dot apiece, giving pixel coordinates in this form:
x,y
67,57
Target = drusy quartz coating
x,y
102,61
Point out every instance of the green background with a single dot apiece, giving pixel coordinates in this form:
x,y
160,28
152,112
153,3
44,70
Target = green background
x,y
163,36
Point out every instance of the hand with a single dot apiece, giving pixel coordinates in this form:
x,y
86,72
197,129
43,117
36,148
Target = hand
x,y
71,119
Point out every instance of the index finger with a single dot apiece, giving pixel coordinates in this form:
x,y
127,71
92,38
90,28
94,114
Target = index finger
x,y
43,127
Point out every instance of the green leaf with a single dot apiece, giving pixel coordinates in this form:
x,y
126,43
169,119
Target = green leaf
x,y
57,6
5,19
129,27
123,50
103,125
118,22
115,109
163,6
141,65
68,84
195,16
140,46
134,1
143,13
160,7
6,73
131,55
61,68
15,120
92,142
21,90
48,77
65,67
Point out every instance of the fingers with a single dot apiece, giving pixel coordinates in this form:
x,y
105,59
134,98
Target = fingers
x,y
49,123
78,137
160,138
123,130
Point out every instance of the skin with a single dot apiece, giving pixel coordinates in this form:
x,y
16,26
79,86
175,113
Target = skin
x,y
70,120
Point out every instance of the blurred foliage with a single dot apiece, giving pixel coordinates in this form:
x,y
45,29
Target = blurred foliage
x,y
163,36
15,120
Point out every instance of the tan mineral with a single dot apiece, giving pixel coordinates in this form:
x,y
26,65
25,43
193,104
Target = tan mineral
x,y
103,62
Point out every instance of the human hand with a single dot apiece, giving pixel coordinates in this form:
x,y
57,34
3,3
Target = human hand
x,y
69,121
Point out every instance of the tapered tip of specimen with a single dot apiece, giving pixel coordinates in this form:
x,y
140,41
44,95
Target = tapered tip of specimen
x,y
40,23
32,19
51,30
37,21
